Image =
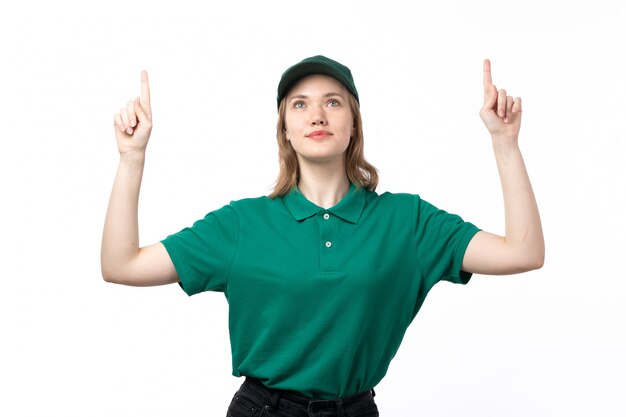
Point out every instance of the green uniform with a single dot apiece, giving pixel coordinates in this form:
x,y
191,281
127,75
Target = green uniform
x,y
320,299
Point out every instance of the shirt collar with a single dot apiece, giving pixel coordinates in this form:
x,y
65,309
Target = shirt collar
x,y
349,208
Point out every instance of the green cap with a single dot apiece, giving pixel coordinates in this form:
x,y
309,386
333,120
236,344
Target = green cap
x,y
316,65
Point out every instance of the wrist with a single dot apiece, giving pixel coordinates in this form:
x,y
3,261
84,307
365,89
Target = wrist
x,y
504,142
133,157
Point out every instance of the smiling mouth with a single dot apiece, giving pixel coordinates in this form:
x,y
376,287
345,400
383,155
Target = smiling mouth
x,y
318,134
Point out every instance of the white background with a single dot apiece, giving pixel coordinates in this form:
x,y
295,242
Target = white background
x,y
545,343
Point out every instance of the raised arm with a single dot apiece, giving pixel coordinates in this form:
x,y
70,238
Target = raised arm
x,y
122,260
522,247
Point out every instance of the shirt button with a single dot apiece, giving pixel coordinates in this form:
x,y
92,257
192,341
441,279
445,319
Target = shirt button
x,y
326,216
329,244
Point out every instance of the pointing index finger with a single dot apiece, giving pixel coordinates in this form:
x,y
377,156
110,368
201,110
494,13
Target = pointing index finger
x,y
145,93
487,75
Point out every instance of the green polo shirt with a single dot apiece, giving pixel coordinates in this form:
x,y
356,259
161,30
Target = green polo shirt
x,y
320,299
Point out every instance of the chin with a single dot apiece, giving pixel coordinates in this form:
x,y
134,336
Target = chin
x,y
322,158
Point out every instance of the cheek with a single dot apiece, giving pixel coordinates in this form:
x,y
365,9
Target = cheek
x,y
287,133
293,129
350,128
289,129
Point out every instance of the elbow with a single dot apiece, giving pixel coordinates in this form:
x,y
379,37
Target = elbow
x,y
525,260
540,260
114,270
110,274
536,263
106,267
539,256
533,262
531,256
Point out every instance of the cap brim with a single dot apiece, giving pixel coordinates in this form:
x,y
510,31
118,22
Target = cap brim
x,y
298,71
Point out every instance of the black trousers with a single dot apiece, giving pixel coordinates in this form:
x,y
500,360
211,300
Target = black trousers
x,y
255,399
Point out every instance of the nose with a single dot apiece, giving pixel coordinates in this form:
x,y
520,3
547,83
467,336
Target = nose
x,y
318,117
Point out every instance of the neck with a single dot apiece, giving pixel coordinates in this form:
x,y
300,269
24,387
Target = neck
x,y
323,185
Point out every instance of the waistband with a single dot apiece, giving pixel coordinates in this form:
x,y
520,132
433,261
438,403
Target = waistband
x,y
273,395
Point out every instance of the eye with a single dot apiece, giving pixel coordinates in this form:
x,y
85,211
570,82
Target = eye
x,y
298,105
333,103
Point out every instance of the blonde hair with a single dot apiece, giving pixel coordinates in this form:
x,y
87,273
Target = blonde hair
x,y
360,172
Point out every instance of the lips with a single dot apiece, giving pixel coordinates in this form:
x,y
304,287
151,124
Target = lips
x,y
318,134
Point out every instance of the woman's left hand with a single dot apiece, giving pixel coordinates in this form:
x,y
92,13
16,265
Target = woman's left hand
x,y
501,114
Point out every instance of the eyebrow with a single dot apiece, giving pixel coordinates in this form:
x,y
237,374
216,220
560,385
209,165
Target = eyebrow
x,y
303,96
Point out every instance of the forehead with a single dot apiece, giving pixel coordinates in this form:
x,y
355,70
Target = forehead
x,y
317,83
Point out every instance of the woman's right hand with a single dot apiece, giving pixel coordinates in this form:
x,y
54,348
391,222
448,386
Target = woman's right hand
x,y
133,123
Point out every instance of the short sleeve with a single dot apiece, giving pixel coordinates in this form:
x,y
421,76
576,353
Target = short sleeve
x,y
441,240
202,253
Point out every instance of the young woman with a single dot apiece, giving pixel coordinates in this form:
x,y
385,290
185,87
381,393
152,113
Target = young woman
x,y
323,276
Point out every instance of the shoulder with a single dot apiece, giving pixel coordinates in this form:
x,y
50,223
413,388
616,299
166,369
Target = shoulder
x,y
401,204
392,200
252,203
257,206
236,207
391,206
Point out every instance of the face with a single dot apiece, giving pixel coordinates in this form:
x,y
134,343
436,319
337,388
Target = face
x,y
318,119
